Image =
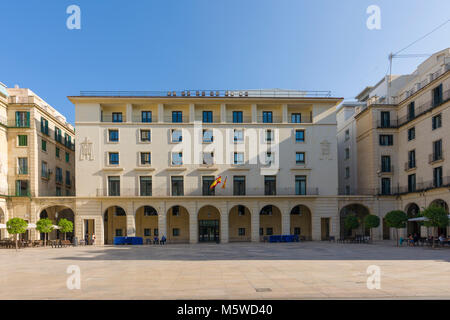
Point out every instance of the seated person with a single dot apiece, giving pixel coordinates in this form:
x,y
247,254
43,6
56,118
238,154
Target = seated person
x,y
155,240
410,240
163,240
415,239
442,239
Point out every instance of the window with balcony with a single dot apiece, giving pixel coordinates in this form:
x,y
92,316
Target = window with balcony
x,y
177,135
386,139
270,185
296,118
146,116
385,119
58,175
411,159
385,186
177,186
299,135
239,185
113,158
145,186
114,186
44,170
208,136
117,117
177,158
208,158
385,163
238,158
146,158
267,117
411,111
436,121
300,185
411,133
58,135
177,116
437,95
300,158
44,126
22,119
411,182
22,188
237,117
437,177
437,150
22,140
206,183
22,165
113,135
207,116
145,135
238,135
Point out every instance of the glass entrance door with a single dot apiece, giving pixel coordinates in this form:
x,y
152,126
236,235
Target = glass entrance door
x,y
208,230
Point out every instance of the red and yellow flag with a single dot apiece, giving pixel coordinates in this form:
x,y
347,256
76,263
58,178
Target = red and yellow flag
x,y
224,182
217,181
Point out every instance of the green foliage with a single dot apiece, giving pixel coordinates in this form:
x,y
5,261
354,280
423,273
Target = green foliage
x,y
396,219
351,222
372,221
44,225
16,226
436,215
65,225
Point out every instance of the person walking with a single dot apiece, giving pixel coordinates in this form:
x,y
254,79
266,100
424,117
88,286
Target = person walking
x,y
93,239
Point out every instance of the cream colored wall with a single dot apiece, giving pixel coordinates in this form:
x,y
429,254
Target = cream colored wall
x,y
180,222
236,222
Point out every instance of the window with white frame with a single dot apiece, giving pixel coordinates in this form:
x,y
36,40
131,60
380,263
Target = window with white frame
x,y
176,135
238,158
208,158
177,158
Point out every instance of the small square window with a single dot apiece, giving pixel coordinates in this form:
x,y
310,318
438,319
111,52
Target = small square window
x,y
44,145
118,232
177,158
238,158
299,135
147,232
300,158
113,135
114,158
22,140
177,135
241,231
146,135
238,135
176,232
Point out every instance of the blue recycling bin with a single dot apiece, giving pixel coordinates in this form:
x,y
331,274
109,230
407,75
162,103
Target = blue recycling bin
x,y
128,240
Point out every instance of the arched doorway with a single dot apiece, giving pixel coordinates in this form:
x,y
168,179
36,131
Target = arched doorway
x,y
360,212
412,211
147,223
301,222
114,224
239,224
177,225
269,221
208,224
56,213
441,203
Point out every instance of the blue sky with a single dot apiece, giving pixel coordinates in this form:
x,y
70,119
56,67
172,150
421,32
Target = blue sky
x,y
208,44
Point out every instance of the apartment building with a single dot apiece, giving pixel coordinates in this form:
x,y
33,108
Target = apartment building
x,y
146,160
37,164
401,139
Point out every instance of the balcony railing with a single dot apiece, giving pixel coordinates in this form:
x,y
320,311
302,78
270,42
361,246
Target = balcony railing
x,y
433,157
109,118
25,123
383,124
409,165
386,169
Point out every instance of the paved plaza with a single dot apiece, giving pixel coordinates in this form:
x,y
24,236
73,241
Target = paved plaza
x,y
309,270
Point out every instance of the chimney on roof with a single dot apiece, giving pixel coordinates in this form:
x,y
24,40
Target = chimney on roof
x,y
16,86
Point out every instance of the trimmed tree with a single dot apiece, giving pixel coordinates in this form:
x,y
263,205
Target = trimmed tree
x,y
16,226
351,222
65,226
371,221
436,216
44,226
396,219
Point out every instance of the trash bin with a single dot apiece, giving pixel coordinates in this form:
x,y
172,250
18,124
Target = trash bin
x,y
75,241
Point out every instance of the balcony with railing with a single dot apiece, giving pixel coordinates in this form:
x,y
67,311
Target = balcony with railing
x,y
410,165
435,157
386,169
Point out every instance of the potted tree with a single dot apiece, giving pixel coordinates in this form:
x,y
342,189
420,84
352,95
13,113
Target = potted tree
x,y
16,226
436,217
396,219
371,221
351,222
65,226
44,226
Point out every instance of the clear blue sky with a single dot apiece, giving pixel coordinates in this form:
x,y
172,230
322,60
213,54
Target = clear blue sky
x,y
209,44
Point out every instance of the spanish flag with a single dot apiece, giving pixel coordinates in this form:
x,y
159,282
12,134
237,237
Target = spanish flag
x,y
224,182
217,181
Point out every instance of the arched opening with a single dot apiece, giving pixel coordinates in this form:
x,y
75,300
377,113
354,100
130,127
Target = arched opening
x,y
360,212
56,213
209,224
114,224
443,204
239,224
412,211
269,221
177,225
2,221
301,222
147,223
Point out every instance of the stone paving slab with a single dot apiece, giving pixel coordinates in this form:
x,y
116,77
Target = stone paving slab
x,y
307,270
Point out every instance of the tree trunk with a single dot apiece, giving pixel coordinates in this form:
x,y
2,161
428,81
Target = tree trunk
x,y
17,245
45,240
65,235
396,235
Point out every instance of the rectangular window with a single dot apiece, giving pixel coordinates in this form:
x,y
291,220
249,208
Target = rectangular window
x,y
269,231
267,117
296,118
176,232
386,139
146,158
145,186
68,182
177,186
58,175
22,140
113,158
269,136
238,158
269,158
437,150
241,210
177,158
117,117
22,165
44,170
300,185
113,135
146,116
347,190
177,135
147,232
206,183
299,158
411,159
58,192
237,117
44,145
347,153
145,135
411,111
207,136
208,158
207,116
297,231
57,151
437,95
299,135
437,177
385,119
119,233
437,121
347,172
241,232
177,116
238,135
270,185
347,134
155,231
44,126
411,183
58,135
67,157
385,186
22,119
239,185
22,188
114,186
385,163
411,133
